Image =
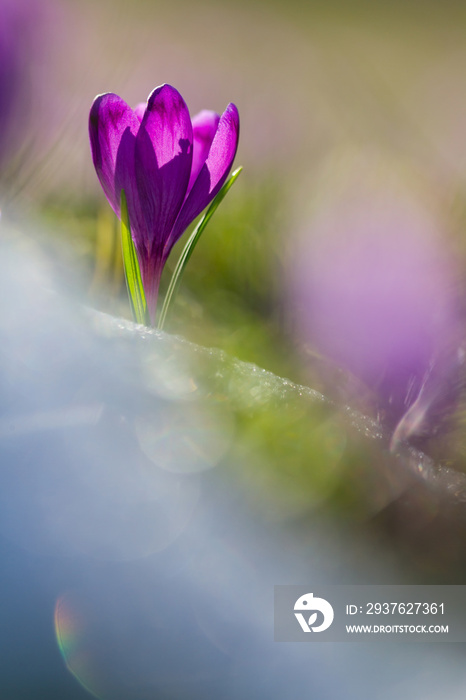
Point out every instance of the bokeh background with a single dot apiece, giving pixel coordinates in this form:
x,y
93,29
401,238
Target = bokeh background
x,y
337,261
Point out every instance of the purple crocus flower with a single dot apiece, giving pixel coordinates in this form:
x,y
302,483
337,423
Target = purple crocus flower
x,y
170,167
24,26
373,286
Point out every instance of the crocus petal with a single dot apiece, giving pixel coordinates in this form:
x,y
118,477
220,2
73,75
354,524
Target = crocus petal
x,y
112,129
163,164
212,175
205,125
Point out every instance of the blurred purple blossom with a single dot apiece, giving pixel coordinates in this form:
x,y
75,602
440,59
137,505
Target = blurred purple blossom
x,y
375,290
22,28
170,168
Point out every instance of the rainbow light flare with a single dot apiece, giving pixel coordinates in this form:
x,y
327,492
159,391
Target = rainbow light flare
x,y
72,632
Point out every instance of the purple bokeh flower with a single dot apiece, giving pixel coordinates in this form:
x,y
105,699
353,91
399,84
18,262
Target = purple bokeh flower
x,y
24,32
170,167
373,287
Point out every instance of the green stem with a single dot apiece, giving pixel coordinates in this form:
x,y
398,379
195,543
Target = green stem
x,y
189,247
134,285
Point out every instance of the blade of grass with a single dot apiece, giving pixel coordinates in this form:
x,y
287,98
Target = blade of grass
x,y
189,247
133,277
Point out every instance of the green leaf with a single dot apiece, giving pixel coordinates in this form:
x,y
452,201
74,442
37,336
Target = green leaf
x,y
189,247
134,286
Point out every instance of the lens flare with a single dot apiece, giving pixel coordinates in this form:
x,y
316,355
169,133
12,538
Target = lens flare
x,y
185,438
71,627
